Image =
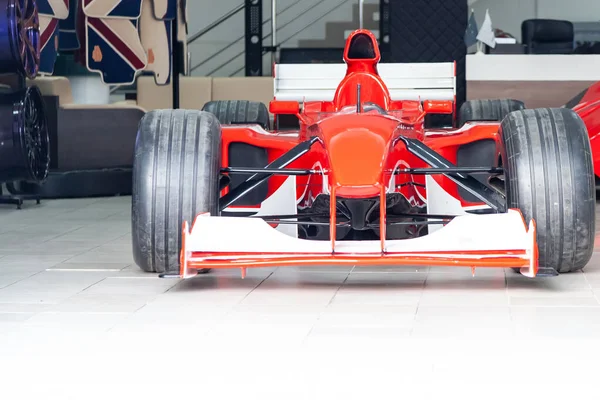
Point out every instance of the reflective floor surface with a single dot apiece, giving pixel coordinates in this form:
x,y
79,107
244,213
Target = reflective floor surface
x,y
71,296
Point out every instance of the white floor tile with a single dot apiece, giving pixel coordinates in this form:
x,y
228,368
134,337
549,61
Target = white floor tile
x,y
69,287
557,322
56,322
134,286
577,300
89,267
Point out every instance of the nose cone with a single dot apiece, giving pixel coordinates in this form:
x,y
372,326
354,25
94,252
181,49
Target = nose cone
x,y
357,157
357,146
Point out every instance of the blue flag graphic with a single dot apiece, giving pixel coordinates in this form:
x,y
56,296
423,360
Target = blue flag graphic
x,y
472,31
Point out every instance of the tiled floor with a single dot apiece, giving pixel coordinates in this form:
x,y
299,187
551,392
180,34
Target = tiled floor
x,y
71,297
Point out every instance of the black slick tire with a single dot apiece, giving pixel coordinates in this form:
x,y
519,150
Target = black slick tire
x,y
487,110
175,177
232,112
549,176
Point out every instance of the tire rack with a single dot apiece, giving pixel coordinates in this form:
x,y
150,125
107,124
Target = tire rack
x,y
9,193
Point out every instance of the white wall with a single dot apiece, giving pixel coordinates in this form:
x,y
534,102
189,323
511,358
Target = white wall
x,y
296,16
505,14
508,14
571,10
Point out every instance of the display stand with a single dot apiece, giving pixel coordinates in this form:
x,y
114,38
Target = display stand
x,y
16,199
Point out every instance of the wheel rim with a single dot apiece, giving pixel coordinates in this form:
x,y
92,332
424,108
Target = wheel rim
x,y
35,136
27,36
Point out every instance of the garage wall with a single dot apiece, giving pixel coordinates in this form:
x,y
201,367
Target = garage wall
x,y
508,14
572,10
297,15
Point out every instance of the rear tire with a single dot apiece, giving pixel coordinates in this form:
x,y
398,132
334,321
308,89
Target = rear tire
x,y
549,177
231,112
175,177
487,110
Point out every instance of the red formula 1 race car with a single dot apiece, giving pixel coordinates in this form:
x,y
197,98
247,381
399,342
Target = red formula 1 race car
x,y
362,180
587,105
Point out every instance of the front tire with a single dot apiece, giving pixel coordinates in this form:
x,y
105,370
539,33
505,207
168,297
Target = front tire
x,y
549,177
175,177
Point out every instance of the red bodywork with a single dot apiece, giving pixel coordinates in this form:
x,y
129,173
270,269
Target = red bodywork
x,y
358,152
588,107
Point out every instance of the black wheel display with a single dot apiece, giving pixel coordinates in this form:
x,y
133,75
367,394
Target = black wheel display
x,y
175,177
549,177
19,37
487,110
25,150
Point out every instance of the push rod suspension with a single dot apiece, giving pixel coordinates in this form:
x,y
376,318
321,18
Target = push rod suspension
x,y
274,171
484,193
255,180
451,170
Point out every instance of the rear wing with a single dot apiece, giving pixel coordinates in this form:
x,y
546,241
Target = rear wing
x,y
405,81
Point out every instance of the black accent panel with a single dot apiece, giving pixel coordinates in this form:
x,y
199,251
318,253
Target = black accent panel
x,y
287,122
78,184
430,31
481,153
438,121
96,138
309,55
254,38
246,155
576,100
359,209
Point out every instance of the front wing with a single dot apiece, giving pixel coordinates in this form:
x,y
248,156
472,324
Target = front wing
x,y
494,240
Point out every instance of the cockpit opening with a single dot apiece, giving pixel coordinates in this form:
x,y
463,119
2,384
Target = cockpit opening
x,y
361,47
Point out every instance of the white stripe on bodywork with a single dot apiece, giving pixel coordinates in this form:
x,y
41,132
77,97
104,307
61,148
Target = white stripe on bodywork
x,y
440,202
281,202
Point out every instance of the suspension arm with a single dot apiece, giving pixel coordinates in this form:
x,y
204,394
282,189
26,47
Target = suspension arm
x,y
487,195
255,180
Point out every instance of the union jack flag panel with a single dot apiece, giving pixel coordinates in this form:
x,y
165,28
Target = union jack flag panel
x,y
54,8
129,9
49,44
165,9
155,35
114,50
67,38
